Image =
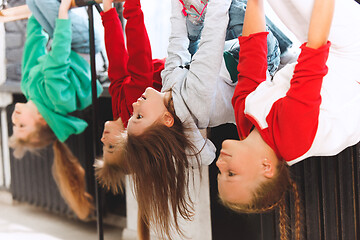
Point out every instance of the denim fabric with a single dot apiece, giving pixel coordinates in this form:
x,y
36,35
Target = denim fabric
x,y
278,42
284,42
194,33
273,56
46,12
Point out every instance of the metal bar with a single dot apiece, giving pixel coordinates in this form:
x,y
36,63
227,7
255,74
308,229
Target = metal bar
x,y
99,216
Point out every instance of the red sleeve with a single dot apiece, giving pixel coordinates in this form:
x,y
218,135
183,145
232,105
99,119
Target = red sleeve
x,y
118,59
252,71
131,71
293,120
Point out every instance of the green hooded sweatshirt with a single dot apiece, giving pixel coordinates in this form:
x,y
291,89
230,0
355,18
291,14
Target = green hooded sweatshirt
x,y
58,81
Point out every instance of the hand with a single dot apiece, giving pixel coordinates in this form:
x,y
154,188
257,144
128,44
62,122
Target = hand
x,y
64,9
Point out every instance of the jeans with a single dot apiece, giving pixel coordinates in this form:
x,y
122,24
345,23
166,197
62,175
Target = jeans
x,y
284,42
277,41
46,12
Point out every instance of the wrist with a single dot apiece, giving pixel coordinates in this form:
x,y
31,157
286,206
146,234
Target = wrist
x,y
63,13
107,6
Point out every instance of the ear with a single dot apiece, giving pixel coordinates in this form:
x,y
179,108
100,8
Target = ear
x,y
168,119
268,168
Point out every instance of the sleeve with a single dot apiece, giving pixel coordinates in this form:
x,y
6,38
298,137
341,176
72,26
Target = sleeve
x,y
252,71
178,54
206,63
35,46
118,59
199,87
56,69
140,64
130,70
294,118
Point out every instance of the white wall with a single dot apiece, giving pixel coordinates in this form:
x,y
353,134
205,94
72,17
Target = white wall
x,y
2,54
157,21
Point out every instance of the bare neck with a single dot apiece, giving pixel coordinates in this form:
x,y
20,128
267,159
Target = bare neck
x,y
256,141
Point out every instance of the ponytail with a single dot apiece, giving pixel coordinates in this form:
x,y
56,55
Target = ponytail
x,y
70,178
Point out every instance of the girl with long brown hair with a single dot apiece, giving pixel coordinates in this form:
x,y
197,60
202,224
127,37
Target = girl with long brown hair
x,y
307,109
162,143
55,83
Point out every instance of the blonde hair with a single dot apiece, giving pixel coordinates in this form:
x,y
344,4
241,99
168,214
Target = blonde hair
x,y
271,194
111,174
67,171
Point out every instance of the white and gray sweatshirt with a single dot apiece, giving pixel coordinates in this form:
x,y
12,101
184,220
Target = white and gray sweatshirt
x,y
201,94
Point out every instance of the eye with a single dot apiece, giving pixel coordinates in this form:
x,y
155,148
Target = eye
x,y
111,146
139,116
143,97
231,174
21,125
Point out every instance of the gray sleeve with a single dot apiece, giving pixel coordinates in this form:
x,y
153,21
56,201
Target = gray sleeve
x,y
178,54
199,87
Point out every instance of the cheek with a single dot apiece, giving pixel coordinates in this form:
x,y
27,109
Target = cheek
x,y
225,191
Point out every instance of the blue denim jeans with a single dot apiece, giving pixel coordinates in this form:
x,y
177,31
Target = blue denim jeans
x,y
46,12
277,41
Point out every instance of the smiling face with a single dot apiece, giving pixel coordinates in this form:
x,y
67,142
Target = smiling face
x,y
24,119
240,172
148,109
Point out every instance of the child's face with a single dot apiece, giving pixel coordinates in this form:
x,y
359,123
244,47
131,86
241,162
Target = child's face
x,y
24,119
240,172
148,109
113,135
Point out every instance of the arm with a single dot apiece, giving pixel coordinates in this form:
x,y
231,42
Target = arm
x,y
252,62
198,86
118,59
130,70
57,65
320,23
178,54
140,65
115,46
35,46
201,80
301,106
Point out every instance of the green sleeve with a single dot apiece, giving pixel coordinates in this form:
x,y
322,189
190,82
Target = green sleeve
x,y
35,46
57,69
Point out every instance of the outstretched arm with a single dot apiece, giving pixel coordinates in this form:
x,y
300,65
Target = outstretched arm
x,y
140,65
252,62
114,44
35,46
320,23
118,58
301,106
254,20
130,69
178,54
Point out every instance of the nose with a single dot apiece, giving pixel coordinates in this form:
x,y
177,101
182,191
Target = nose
x,y
225,144
220,164
148,89
19,105
135,104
